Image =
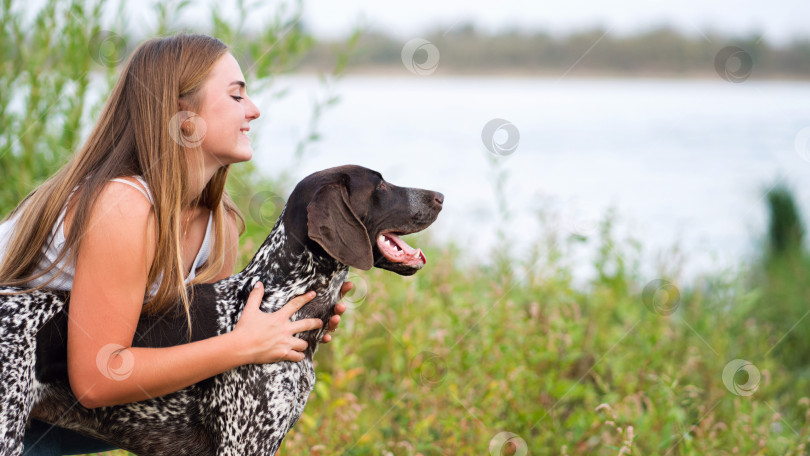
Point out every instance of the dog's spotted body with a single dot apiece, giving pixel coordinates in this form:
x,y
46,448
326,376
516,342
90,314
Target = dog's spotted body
x,y
326,227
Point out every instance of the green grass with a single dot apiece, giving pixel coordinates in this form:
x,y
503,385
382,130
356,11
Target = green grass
x,y
570,370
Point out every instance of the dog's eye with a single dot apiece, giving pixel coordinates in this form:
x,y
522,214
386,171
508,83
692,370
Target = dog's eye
x,y
382,186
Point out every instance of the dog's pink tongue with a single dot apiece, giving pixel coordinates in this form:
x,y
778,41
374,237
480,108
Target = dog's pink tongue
x,y
416,258
405,254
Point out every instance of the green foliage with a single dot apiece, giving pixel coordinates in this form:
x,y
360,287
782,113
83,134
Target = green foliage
x,y
441,362
784,280
785,229
48,57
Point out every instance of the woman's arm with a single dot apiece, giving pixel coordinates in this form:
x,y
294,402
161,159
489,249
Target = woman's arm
x,y
106,302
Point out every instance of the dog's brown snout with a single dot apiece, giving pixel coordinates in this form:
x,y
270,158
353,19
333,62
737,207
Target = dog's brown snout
x,y
438,198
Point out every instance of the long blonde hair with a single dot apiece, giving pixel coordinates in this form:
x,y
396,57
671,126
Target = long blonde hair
x,y
133,137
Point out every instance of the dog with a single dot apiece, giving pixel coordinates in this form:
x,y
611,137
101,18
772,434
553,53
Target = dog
x,y
334,219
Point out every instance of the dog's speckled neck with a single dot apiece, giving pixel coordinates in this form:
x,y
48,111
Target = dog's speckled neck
x,y
287,268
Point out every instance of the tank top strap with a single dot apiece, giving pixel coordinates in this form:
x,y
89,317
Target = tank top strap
x,y
143,188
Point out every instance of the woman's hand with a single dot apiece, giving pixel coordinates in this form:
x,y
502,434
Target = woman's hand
x,y
267,338
339,309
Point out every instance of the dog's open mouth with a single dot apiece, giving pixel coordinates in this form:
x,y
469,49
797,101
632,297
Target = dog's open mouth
x,y
398,251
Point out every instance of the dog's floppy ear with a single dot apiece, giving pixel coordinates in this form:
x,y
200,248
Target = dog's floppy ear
x,y
332,223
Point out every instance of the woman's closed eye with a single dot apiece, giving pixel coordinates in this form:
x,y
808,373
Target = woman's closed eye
x,y
237,98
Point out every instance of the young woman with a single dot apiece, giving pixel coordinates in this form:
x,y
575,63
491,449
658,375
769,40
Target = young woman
x,y
138,214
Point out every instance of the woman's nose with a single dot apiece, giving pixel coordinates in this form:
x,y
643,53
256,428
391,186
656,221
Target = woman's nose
x,y
252,112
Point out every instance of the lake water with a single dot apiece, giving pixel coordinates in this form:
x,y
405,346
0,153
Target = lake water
x,y
683,162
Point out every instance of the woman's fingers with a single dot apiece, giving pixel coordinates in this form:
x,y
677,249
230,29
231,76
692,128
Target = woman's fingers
x,y
269,338
305,325
295,304
254,298
293,355
299,344
345,288
295,351
333,322
283,324
340,308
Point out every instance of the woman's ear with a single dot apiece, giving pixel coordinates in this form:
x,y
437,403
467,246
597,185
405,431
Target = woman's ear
x,y
182,105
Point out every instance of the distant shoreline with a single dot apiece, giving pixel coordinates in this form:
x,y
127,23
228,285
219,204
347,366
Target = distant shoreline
x,y
400,71
661,53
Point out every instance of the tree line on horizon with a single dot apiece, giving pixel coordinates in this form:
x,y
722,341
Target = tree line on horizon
x,y
596,52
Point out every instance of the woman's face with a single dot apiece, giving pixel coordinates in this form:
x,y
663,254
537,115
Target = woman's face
x,y
226,112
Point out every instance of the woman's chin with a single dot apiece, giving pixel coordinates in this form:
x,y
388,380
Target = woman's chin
x,y
243,153
237,156
248,156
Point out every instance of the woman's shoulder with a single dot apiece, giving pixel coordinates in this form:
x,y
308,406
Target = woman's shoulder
x,y
122,198
135,182
119,225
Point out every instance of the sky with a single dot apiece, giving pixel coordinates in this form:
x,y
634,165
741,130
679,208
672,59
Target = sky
x,y
778,20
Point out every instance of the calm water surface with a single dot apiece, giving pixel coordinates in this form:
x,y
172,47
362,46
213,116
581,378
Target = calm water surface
x,y
681,161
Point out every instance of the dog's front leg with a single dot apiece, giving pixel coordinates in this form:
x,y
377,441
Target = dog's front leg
x,y
17,393
263,404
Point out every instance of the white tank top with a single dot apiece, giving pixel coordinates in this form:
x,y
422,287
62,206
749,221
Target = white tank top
x,y
64,272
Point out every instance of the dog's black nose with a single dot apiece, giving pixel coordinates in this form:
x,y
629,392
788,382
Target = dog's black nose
x,y
439,198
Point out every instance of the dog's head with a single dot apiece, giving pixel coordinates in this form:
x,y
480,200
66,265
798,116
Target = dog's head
x,y
356,217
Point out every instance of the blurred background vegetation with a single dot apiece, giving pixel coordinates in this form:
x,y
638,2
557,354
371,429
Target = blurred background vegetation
x,y
659,52
447,360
